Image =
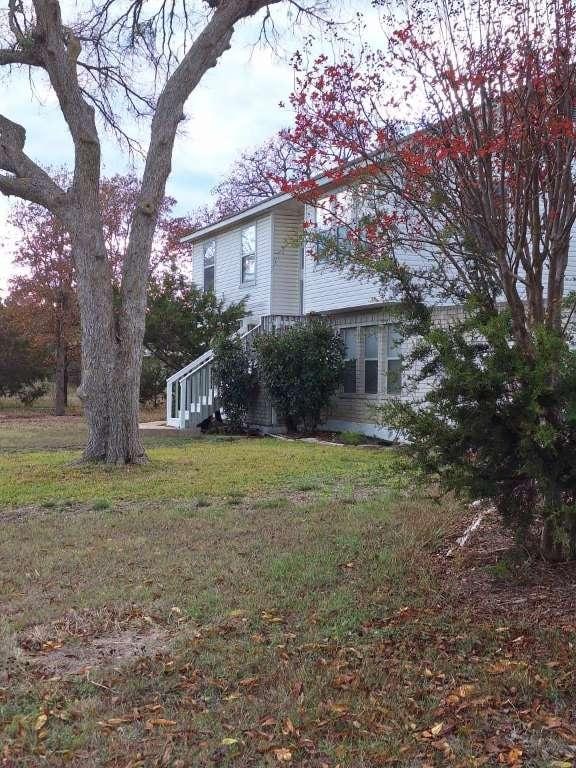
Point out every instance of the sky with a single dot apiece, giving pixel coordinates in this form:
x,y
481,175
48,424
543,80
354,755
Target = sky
x,y
235,107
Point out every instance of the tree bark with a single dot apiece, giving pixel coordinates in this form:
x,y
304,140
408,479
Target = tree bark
x,y
61,380
61,367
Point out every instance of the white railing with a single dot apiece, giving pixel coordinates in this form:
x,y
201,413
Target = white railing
x,y
191,396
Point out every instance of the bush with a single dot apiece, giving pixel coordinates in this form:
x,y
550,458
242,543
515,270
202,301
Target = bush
x,y
352,438
301,368
29,393
234,375
21,365
152,381
499,424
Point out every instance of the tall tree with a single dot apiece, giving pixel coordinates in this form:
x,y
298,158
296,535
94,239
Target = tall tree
x,y
41,300
42,297
94,63
182,320
257,175
456,141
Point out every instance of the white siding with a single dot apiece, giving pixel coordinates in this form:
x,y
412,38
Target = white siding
x,y
286,260
328,288
228,267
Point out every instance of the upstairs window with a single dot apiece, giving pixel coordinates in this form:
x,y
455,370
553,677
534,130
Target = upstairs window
x,y
394,361
249,254
350,358
335,214
209,252
371,360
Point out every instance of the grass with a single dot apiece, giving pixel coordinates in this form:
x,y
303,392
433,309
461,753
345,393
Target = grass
x,y
192,468
256,603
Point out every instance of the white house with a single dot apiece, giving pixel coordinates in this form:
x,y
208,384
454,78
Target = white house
x,y
259,254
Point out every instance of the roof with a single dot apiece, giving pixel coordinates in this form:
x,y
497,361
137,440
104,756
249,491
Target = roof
x,y
246,213
322,180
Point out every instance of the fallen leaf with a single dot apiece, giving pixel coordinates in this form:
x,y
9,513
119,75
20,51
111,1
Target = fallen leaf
x,y
228,741
512,757
283,755
40,722
436,729
553,722
161,722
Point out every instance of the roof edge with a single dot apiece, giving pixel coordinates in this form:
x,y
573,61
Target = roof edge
x,y
246,213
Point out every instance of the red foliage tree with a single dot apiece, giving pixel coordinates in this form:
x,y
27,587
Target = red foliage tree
x,y
455,142
42,297
458,137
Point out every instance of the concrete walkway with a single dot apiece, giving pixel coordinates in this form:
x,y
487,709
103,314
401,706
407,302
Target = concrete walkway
x,y
155,425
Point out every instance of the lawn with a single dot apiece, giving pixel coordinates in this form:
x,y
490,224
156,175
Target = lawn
x,y
266,603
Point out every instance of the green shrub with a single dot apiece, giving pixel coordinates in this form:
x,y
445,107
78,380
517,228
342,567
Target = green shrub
x,y
352,438
29,393
234,375
498,423
302,368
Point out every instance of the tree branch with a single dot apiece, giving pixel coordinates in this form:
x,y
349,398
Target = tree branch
x,y
9,57
23,177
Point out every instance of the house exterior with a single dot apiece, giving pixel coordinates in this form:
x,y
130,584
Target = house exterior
x,y
258,255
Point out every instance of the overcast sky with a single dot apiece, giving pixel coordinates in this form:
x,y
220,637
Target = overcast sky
x,y
235,107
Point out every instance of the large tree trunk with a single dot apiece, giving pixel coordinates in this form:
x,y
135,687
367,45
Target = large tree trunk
x,y
111,365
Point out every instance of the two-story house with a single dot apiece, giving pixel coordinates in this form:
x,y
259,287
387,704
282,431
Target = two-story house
x,y
258,254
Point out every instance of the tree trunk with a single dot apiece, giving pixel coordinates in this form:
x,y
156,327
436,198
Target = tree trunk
x,y
111,365
60,380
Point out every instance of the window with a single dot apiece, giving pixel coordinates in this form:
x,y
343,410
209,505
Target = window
x,y
371,360
249,254
350,355
175,400
394,362
335,215
209,254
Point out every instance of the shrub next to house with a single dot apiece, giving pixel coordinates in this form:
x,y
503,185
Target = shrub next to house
x,y
234,376
301,367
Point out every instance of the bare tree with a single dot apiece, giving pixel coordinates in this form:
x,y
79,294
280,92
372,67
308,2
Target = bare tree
x,y
93,65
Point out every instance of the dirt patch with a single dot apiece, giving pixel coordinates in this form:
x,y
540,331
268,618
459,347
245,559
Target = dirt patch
x,y
490,576
82,657
86,640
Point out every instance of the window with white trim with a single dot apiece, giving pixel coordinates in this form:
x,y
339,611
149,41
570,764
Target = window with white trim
x,y
371,337
349,337
393,361
209,253
249,254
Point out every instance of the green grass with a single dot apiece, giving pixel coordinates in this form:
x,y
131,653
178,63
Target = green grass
x,y
197,467
295,608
